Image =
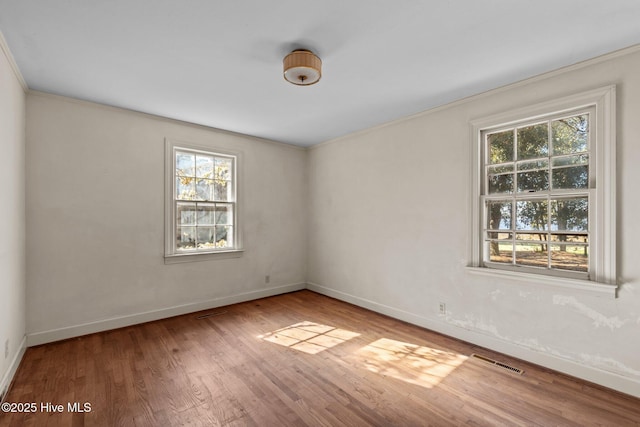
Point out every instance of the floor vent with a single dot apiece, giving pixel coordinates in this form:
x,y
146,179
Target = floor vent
x,y
213,313
498,364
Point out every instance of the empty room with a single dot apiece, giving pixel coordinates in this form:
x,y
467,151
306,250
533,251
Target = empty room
x,y
356,213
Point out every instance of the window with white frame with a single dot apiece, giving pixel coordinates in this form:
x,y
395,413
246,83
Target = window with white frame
x,y
202,201
544,189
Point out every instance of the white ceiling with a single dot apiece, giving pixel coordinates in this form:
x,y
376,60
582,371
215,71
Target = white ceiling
x,y
219,63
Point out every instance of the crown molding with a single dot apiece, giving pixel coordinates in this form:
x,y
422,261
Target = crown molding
x,y
630,50
113,108
16,71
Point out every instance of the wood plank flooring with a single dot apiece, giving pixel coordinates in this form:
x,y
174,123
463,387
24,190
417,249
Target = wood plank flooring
x,y
299,359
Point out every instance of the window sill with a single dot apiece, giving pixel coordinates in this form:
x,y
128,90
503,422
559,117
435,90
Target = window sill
x,y
585,286
206,256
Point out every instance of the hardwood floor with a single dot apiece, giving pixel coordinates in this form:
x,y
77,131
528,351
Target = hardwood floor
x,y
299,359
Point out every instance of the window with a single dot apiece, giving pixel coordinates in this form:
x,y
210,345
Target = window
x,y
536,194
202,205
544,190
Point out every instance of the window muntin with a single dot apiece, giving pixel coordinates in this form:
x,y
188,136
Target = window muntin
x,y
536,194
203,201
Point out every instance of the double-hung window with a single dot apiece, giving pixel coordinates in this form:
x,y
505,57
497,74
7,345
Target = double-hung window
x,y
544,190
202,201
536,193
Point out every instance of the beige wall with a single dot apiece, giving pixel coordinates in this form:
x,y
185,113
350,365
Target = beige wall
x,y
95,212
389,221
12,218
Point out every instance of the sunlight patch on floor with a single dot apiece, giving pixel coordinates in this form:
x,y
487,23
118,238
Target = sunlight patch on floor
x,y
309,337
414,364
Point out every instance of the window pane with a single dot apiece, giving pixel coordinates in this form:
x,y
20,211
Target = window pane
x,y
206,214
570,214
186,213
500,184
224,214
532,236
499,215
494,235
532,254
224,169
493,170
501,252
570,135
224,236
206,238
580,159
185,164
204,166
535,165
531,215
185,238
185,188
571,177
570,257
533,141
500,147
533,181
222,190
570,238
205,189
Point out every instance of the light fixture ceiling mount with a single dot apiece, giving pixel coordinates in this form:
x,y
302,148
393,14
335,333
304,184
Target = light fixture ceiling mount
x,y
302,67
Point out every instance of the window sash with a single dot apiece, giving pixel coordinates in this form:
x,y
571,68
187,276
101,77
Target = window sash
x,y
546,234
516,166
216,225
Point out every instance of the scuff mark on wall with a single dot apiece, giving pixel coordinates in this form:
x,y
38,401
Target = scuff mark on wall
x,y
470,323
596,361
533,344
609,364
599,319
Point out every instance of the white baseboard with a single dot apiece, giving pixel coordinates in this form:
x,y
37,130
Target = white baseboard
x,y
13,368
588,373
52,335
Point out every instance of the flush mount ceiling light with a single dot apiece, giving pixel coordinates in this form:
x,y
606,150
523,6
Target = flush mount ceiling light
x,y
302,67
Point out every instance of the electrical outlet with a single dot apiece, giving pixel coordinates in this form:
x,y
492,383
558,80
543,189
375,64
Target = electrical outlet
x,y
267,278
443,308
6,348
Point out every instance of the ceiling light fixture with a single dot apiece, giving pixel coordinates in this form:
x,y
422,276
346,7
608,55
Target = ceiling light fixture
x,y
302,67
